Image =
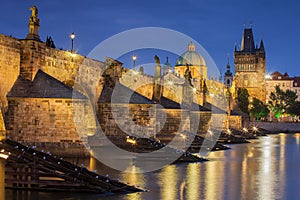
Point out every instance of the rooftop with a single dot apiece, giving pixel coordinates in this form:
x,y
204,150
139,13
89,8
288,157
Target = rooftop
x,y
42,86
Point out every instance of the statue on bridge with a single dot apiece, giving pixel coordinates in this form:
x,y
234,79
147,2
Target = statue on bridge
x,y
188,76
157,61
34,11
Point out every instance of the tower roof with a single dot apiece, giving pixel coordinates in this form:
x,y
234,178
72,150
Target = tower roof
x,y
191,57
228,72
247,44
43,86
123,93
262,46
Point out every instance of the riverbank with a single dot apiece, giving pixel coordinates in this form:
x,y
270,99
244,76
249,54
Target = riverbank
x,y
277,127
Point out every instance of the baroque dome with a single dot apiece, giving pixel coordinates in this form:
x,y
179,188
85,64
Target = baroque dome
x,y
191,57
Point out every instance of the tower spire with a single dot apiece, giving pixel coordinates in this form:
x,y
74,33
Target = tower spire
x,y
247,44
262,46
228,58
33,25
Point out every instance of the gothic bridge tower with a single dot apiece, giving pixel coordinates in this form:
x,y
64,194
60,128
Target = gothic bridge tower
x,y
250,66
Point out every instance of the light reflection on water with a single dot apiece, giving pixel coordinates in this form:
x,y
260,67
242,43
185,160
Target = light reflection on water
x,y
267,168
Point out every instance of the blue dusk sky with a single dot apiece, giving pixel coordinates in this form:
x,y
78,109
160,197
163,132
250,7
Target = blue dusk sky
x,y
215,24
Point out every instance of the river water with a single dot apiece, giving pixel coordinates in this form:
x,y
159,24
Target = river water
x,y
267,169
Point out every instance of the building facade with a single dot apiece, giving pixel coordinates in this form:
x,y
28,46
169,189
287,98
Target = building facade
x,y
250,66
277,79
284,81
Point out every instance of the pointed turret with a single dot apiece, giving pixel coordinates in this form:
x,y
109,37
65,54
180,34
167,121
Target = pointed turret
x,y
262,46
247,44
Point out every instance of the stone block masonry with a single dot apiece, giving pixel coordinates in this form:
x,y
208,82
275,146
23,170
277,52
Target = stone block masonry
x,y
48,123
9,66
42,120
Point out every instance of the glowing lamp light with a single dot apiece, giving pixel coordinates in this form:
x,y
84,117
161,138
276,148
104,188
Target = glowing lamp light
x,y
2,155
183,136
245,129
72,36
134,60
255,128
131,141
228,131
194,90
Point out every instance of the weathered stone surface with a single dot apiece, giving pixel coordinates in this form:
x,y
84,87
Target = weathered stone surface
x,y
43,120
9,66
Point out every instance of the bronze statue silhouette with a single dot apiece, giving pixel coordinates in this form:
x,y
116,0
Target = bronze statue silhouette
x,y
188,76
157,61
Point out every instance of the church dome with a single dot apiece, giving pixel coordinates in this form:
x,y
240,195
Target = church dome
x,y
191,57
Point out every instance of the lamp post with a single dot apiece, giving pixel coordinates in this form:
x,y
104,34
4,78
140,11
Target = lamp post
x,y
228,96
72,36
134,60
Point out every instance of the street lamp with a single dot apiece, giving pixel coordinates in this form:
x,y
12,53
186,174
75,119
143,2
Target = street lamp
x,y
72,36
134,59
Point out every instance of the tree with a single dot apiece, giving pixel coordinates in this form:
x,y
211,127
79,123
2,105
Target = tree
x,y
294,109
258,109
243,100
283,102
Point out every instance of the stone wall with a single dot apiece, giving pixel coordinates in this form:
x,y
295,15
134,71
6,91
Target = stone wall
x,y
42,120
32,58
171,121
141,83
84,74
167,121
218,121
277,127
204,122
64,65
235,122
9,66
131,118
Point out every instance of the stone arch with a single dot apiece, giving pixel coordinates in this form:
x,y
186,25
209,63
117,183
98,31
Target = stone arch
x,y
2,126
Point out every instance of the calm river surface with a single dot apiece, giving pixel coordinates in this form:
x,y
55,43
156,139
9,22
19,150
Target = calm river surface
x,y
267,168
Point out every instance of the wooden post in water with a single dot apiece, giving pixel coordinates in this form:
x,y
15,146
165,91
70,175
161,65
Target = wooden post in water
x,y
2,177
